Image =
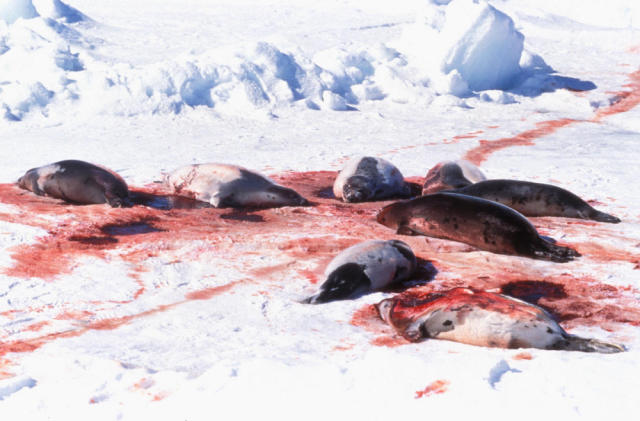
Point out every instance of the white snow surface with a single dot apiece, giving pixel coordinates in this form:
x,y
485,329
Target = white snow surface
x,y
205,322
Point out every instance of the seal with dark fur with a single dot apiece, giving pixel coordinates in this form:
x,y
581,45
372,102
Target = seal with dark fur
x,y
536,199
483,319
364,267
367,179
76,182
482,223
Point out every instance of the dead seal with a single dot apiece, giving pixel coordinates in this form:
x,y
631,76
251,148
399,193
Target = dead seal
x,y
483,319
230,186
77,182
364,267
482,223
536,199
450,175
367,179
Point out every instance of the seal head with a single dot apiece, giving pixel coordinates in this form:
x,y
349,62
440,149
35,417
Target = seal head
x,y
368,178
450,175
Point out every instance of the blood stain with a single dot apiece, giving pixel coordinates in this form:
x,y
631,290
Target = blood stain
x,y
29,345
523,356
480,153
159,396
345,347
310,275
74,315
211,292
144,383
437,387
321,231
37,326
621,102
532,291
368,319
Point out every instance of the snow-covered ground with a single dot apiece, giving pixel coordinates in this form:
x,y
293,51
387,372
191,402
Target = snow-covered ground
x,y
194,314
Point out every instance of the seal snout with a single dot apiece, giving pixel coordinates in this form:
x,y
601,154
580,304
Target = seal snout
x,y
381,217
353,195
357,189
288,197
385,216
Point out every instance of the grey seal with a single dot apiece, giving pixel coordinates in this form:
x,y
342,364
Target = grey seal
x,y
77,182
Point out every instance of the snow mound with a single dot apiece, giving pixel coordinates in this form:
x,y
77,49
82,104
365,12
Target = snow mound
x,y
463,46
460,48
56,9
12,10
482,44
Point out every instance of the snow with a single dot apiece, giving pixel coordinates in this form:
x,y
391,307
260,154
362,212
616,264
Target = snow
x,y
12,10
464,46
193,313
476,48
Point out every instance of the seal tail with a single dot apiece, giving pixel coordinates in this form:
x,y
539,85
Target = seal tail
x,y
546,250
596,215
347,281
576,343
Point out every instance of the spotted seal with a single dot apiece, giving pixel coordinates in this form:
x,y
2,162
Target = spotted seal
x,y
482,223
536,199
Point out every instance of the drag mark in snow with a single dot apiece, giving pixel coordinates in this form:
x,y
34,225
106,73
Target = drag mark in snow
x,y
621,102
437,387
480,153
470,135
208,293
37,326
453,140
624,100
29,345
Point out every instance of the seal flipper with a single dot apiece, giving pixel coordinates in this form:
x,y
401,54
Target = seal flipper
x,y
546,250
576,343
347,281
115,194
596,215
407,230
